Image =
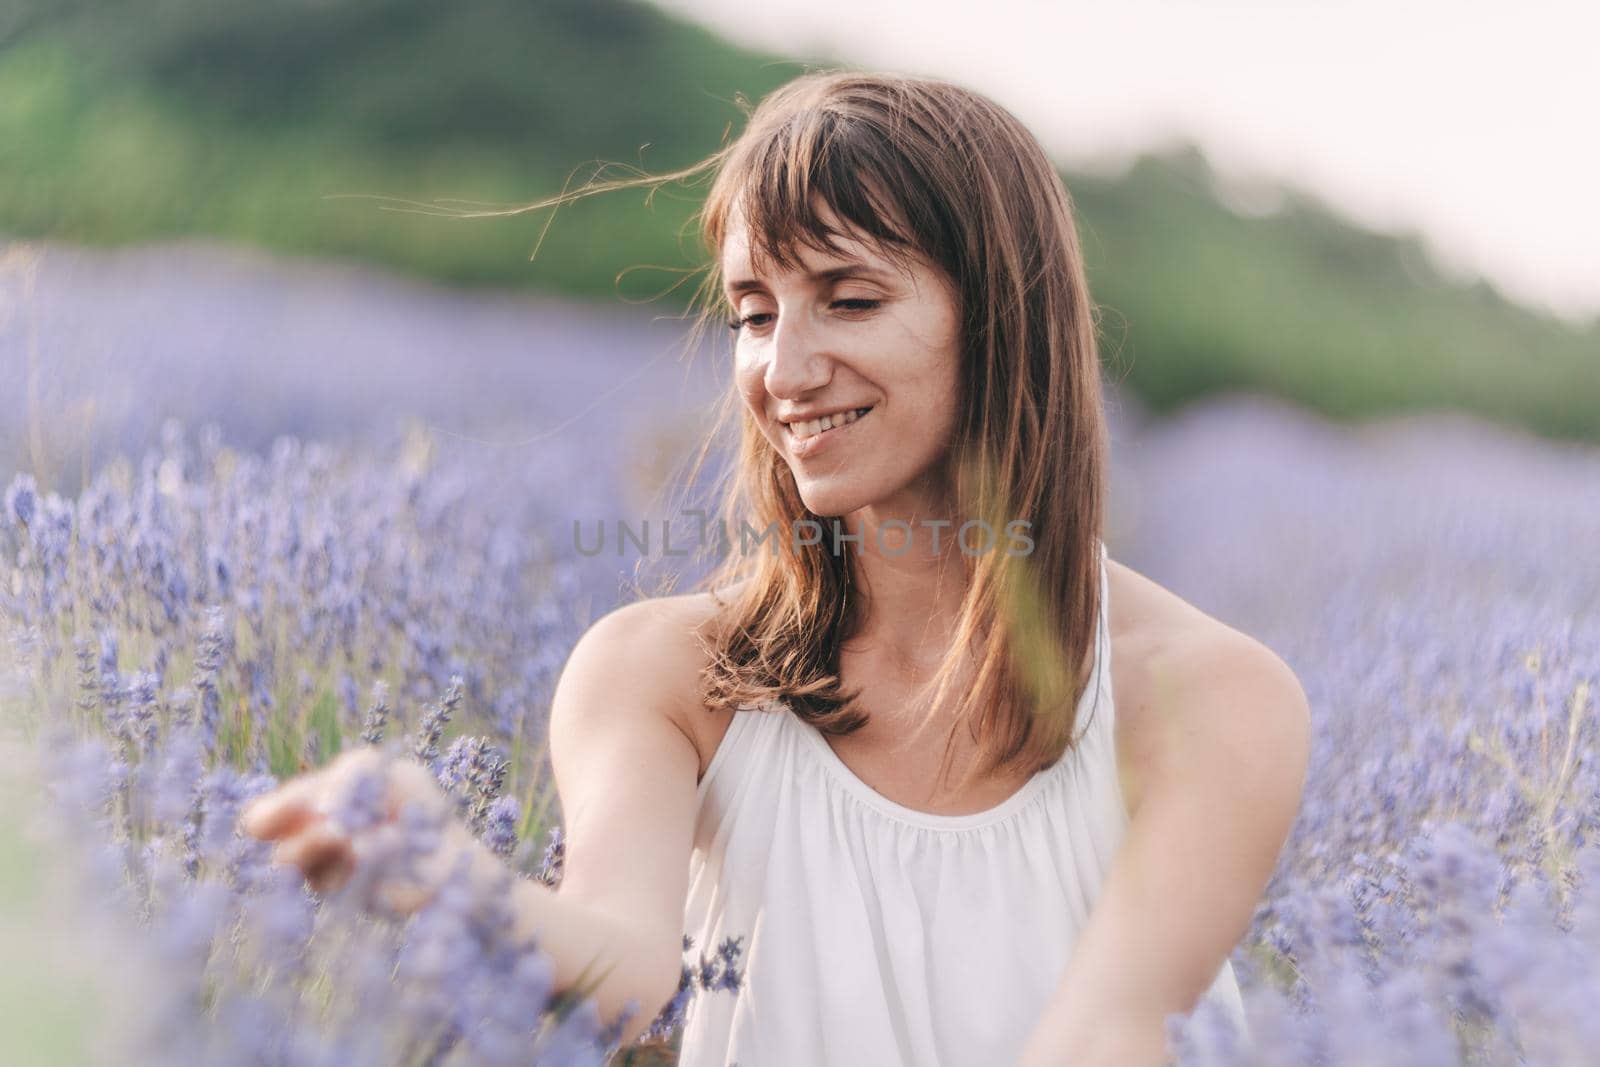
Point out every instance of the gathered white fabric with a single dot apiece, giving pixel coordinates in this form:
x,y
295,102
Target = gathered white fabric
x,y
857,932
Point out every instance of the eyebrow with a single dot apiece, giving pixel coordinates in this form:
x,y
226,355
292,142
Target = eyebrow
x,y
832,274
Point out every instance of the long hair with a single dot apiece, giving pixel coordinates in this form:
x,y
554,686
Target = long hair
x,y
921,167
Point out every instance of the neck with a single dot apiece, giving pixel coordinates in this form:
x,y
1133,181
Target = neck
x,y
911,592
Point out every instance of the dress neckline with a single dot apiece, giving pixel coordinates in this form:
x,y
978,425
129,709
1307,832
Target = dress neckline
x,y
972,820
893,809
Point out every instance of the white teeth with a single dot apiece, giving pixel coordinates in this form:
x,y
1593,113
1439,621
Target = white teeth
x,y
812,427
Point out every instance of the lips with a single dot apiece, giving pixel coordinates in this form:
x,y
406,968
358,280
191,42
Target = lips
x,y
805,447
810,427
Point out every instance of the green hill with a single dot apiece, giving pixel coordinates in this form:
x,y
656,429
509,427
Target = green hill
x,y
1303,304
240,118
280,123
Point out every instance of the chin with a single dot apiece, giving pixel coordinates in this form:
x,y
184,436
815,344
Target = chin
x,y
831,503
827,509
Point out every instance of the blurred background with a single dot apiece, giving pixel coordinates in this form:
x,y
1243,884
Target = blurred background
x,y
244,210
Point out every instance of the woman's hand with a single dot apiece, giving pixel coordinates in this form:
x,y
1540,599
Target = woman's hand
x,y
372,816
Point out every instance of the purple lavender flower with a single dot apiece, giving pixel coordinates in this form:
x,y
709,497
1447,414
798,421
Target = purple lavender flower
x,y
500,825
377,717
431,729
553,862
473,770
1436,902
22,499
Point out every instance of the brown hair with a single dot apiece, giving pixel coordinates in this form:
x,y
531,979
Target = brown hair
x,y
920,167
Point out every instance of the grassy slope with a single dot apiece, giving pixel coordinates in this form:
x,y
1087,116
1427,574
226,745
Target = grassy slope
x,y
122,121
1305,305
241,118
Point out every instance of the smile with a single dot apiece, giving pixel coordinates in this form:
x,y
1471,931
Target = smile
x,y
805,438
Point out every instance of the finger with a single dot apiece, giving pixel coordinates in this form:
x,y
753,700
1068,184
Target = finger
x,y
388,887
330,875
404,899
285,811
410,781
317,851
302,800
349,772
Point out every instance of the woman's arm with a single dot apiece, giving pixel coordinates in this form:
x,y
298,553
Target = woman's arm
x,y
626,774
1224,764
625,770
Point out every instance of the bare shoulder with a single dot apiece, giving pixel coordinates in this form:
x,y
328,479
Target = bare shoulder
x,y
652,653
1179,675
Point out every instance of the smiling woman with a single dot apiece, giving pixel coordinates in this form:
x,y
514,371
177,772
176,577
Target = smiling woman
x,y
760,771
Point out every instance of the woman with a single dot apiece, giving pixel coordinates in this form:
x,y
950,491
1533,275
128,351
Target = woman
x,y
915,367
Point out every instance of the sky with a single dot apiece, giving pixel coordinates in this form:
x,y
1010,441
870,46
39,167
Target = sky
x,y
1474,124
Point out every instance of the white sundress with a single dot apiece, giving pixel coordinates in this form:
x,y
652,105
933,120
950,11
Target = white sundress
x,y
862,933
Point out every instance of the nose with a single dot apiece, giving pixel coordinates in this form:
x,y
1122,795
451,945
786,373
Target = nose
x,y
797,363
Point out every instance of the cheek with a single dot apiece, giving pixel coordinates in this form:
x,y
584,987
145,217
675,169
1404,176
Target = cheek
x,y
930,380
750,392
929,407
749,383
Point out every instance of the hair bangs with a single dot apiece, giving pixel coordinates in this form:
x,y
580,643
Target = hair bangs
x,y
815,159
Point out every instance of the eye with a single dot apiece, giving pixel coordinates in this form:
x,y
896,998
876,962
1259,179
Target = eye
x,y
746,320
857,304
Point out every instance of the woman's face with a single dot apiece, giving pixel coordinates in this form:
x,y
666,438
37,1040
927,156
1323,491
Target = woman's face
x,y
839,334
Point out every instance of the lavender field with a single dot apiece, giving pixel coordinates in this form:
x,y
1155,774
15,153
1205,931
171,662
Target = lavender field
x,y
218,606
